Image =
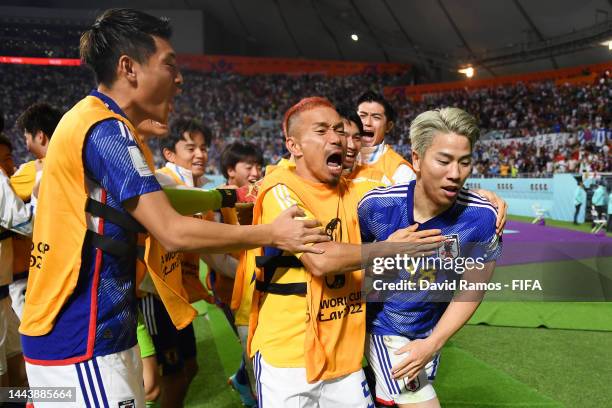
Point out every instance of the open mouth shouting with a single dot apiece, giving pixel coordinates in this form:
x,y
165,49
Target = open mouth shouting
x,y
334,163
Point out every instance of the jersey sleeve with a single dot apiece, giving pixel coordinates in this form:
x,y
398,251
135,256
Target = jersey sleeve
x,y
277,200
114,160
24,179
489,244
366,212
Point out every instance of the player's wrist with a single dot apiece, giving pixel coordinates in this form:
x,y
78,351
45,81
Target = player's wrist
x,y
437,341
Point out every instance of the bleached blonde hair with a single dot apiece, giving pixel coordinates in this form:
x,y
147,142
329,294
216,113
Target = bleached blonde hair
x,y
446,120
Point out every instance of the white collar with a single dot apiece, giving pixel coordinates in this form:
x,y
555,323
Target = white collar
x,y
186,175
371,154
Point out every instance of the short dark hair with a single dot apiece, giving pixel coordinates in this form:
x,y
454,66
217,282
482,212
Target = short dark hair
x,y
178,127
371,96
118,32
349,113
5,142
237,152
39,116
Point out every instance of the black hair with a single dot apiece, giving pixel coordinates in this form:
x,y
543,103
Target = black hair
x,y
5,142
237,152
371,96
118,32
39,116
178,128
349,113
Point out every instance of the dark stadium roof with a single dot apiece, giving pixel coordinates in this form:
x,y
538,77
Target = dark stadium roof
x,y
505,36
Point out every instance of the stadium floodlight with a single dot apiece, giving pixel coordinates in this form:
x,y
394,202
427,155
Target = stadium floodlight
x,y
607,44
354,37
468,71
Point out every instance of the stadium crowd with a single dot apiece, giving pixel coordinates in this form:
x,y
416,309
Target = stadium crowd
x,y
239,107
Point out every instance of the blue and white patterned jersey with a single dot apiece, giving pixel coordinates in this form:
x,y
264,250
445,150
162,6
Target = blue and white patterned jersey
x,y
469,226
115,172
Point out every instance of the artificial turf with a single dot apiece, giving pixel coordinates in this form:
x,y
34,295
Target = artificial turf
x,y
482,365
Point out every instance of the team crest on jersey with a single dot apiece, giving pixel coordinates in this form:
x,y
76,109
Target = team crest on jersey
x,y
127,404
413,385
450,247
337,283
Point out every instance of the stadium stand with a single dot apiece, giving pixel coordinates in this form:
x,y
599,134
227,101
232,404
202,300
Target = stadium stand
x,y
240,106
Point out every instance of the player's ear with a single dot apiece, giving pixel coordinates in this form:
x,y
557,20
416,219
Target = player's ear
x,y
126,68
169,155
293,147
416,161
389,126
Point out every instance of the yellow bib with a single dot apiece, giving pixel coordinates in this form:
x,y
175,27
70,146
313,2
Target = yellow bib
x,y
334,329
56,254
384,168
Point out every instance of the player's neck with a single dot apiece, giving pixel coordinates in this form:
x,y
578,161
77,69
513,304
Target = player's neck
x,y
424,209
117,94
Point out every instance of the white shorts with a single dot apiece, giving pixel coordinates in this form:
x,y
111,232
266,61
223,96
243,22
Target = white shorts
x,y
287,388
114,380
17,289
381,356
10,342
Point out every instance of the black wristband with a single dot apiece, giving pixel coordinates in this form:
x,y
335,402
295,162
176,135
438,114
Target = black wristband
x,y
228,197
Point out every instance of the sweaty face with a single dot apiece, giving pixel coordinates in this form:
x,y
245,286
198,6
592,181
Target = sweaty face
x,y
190,153
353,144
444,167
158,82
319,145
375,121
245,172
6,160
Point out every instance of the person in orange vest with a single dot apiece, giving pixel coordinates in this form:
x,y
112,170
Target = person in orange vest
x,y
96,195
185,150
307,323
241,164
37,122
15,219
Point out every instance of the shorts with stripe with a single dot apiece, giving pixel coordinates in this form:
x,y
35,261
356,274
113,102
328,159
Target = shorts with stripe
x,y
172,346
381,357
280,387
110,381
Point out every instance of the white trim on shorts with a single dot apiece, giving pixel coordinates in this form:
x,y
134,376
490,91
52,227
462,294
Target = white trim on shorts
x,y
381,356
100,382
281,387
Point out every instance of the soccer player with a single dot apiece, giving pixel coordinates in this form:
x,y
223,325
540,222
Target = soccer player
x,y
408,329
79,320
185,150
378,160
378,117
308,316
37,122
241,163
15,217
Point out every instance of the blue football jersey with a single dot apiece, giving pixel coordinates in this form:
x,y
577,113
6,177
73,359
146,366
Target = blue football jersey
x,y
469,228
